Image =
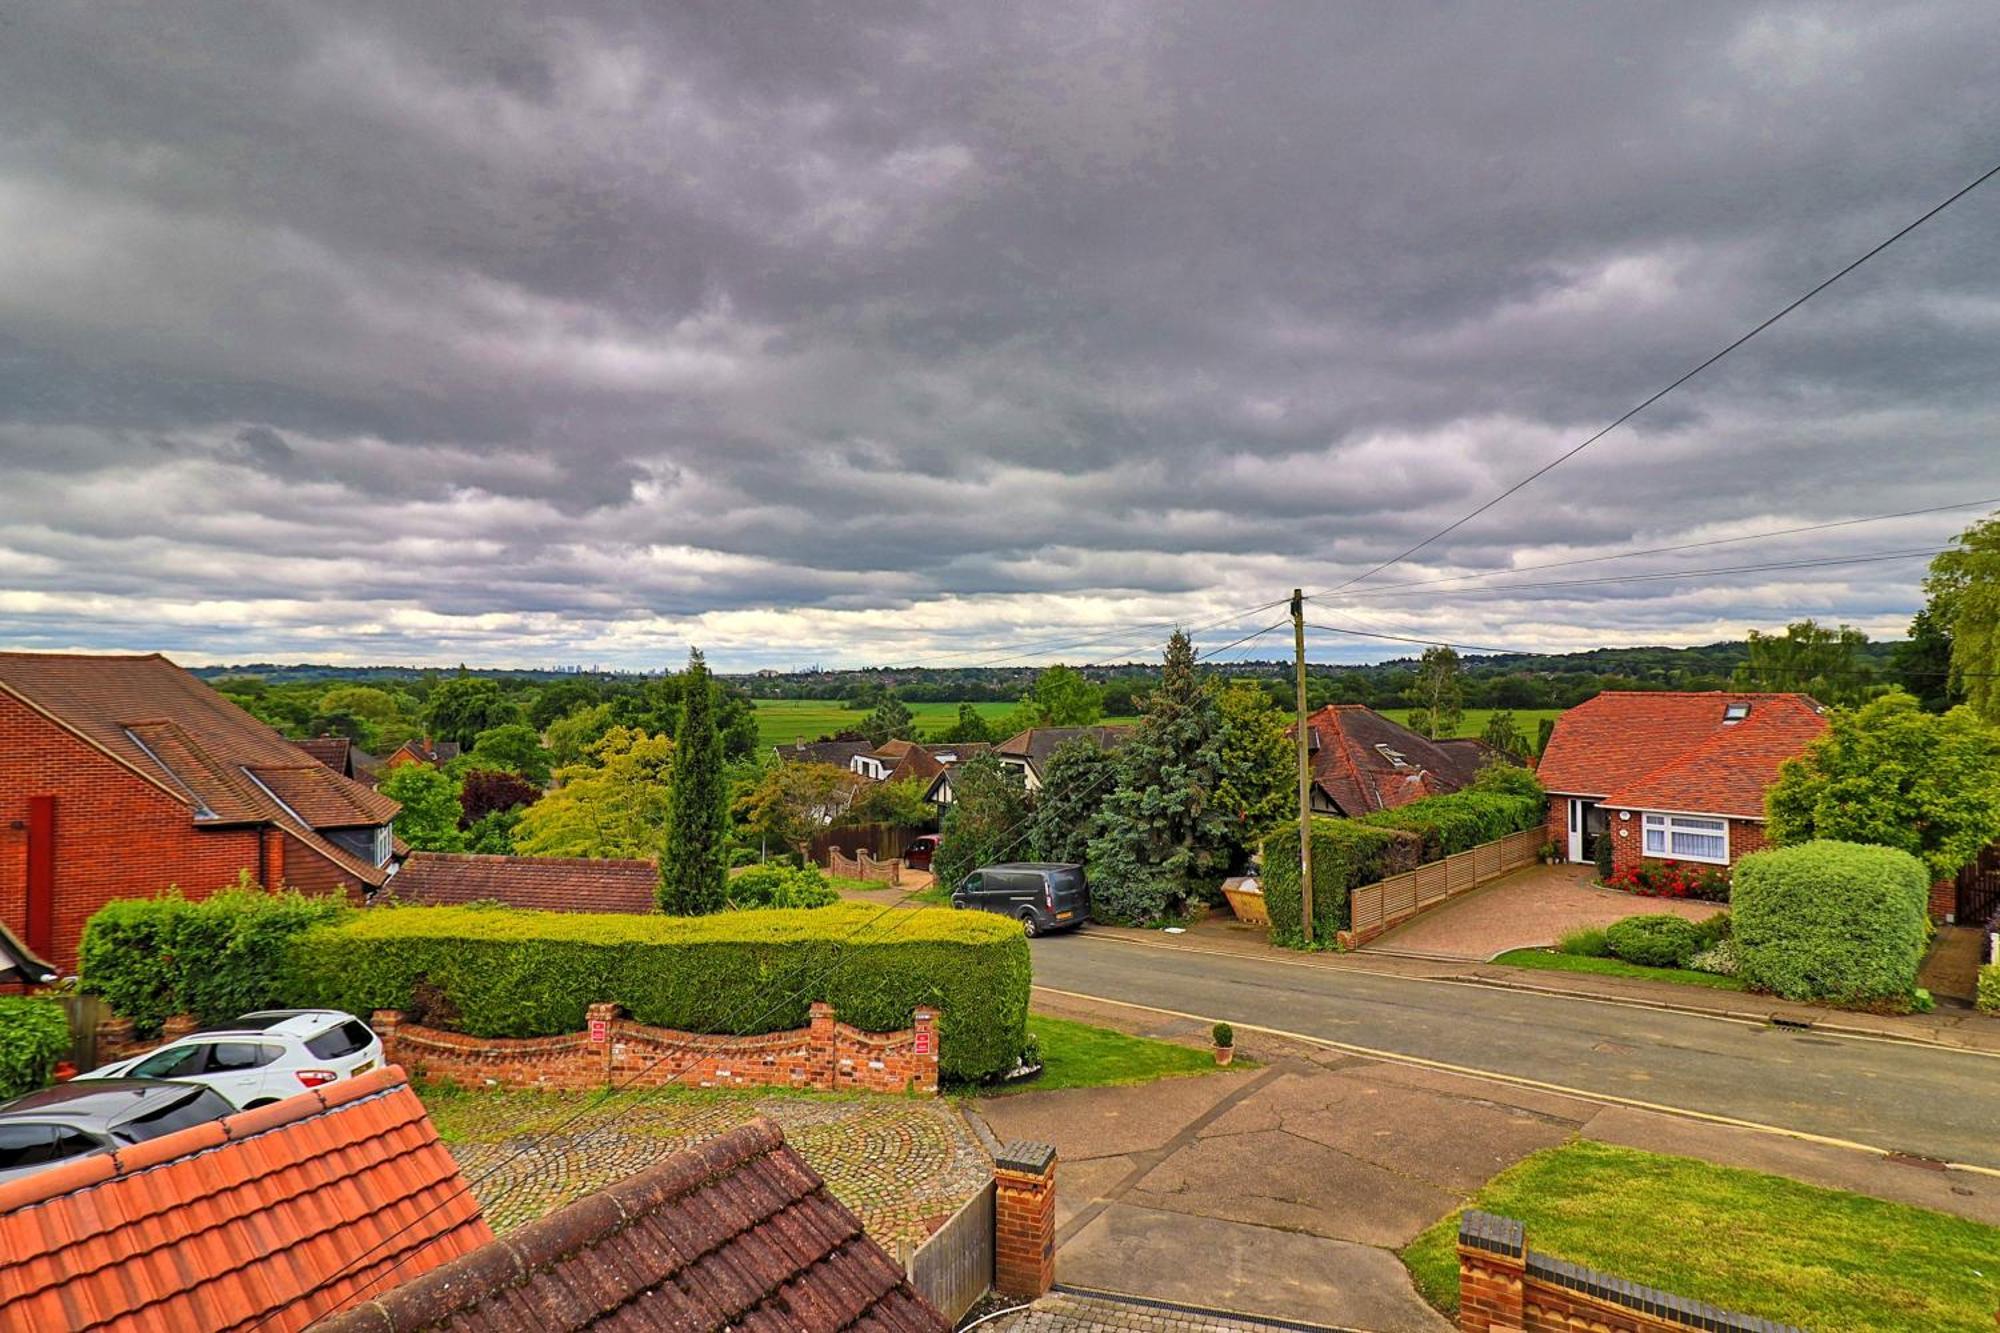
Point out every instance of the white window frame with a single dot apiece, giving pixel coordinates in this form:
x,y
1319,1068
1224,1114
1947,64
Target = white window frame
x,y
1694,826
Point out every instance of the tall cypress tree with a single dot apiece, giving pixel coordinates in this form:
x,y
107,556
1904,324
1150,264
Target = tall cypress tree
x,y
694,865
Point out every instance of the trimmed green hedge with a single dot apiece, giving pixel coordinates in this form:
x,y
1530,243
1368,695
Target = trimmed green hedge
x,y
34,1034
1346,854
1831,921
514,973
1661,940
1989,988
214,958
1504,804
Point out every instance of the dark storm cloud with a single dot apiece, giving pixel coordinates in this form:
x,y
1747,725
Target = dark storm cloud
x,y
421,332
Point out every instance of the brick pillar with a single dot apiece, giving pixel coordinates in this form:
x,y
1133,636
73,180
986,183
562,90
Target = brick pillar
x,y
1492,1263
600,1059
824,1042
924,1062
387,1023
273,859
1024,1220
1944,899
180,1025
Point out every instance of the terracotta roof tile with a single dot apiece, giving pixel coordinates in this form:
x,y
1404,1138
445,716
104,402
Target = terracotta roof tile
x,y
550,883
1667,750
246,1221
336,752
737,1232
1350,765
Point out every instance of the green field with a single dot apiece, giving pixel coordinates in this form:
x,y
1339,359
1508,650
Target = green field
x,y
783,721
1529,720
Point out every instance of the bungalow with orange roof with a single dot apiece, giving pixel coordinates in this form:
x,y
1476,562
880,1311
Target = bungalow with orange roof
x,y
1670,776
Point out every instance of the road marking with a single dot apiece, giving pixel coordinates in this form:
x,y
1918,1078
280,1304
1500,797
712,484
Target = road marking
x,y
1537,1085
1742,1020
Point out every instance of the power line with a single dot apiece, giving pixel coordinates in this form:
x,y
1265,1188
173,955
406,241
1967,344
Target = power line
x,y
1678,381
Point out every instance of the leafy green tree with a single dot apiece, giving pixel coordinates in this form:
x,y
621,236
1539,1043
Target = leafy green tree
x,y
386,713
890,720
572,737
461,708
899,803
428,820
614,804
986,821
792,802
493,833
694,863
1078,779
1964,592
340,722
1891,774
1808,658
1505,736
1922,662
1437,695
1259,768
1168,837
511,748
970,728
558,699
1063,698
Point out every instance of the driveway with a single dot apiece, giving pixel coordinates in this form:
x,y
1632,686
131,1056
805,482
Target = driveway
x,y
1527,909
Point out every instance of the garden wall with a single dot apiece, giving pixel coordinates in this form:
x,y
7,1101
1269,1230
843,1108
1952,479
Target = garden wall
x,y
612,1050
1504,1287
863,866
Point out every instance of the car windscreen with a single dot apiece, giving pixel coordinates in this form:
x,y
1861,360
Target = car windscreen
x,y
198,1109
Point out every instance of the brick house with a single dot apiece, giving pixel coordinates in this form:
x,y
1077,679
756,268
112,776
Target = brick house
x,y
120,776
1669,775
1362,762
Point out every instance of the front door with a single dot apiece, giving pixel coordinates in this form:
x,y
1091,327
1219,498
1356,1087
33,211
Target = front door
x,y
1586,826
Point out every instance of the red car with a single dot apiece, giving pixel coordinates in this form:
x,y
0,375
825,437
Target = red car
x,y
917,856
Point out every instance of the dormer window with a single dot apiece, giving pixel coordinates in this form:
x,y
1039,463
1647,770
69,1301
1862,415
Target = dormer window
x,y
1734,713
1393,756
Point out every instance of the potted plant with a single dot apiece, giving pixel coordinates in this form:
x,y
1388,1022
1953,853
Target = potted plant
x,y
1225,1043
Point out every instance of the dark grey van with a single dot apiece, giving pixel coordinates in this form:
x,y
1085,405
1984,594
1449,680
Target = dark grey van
x,y
1041,895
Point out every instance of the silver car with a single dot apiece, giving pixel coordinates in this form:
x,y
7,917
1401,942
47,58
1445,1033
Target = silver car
x,y
78,1118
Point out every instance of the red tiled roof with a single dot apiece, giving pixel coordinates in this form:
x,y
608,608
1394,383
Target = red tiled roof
x,y
1349,765
176,732
1669,750
737,1233
551,883
230,1224
333,751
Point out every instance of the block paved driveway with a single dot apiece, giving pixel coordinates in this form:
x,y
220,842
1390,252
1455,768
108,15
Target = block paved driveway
x,y
1527,909
901,1164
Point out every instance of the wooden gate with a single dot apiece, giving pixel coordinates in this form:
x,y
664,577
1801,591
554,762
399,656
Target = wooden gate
x,y
1979,889
954,1268
85,1012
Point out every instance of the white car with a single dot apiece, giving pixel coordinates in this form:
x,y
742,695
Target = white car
x,y
261,1057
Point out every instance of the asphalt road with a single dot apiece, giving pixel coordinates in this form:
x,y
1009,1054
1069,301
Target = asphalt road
x,y
1896,1096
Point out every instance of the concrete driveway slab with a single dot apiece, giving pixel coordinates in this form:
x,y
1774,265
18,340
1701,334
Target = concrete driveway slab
x,y
1528,908
1227,1265
1107,1122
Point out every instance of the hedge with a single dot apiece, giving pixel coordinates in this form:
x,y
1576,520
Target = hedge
x,y
214,958
1464,819
1661,940
516,973
1346,854
776,884
1831,921
34,1035
1989,988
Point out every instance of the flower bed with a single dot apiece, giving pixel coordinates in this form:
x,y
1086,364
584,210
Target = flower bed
x,y
1673,879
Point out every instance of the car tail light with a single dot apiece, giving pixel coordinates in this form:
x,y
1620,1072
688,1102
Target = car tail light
x,y
313,1078
1049,894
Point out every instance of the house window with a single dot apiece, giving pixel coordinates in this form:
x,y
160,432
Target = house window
x,y
1687,838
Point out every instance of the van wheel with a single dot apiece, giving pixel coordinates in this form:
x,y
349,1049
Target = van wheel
x,y
1028,922
957,903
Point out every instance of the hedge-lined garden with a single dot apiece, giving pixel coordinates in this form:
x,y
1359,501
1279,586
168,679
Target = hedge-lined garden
x,y
1826,920
1350,853
496,972
34,1035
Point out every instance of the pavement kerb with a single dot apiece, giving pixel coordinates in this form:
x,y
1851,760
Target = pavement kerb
x,y
1338,963
1515,1080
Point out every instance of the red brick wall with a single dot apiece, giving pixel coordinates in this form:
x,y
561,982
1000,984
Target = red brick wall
x,y
828,1055
1628,840
1558,825
1024,1221
116,835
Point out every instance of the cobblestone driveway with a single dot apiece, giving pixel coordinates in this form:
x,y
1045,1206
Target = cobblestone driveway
x,y
902,1165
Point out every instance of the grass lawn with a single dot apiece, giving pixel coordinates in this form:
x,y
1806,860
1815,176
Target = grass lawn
x,y
937,895
1748,1242
1548,960
783,721
1529,720
1078,1055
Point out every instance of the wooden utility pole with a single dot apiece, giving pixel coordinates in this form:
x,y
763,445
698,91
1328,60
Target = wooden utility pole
x,y
1305,769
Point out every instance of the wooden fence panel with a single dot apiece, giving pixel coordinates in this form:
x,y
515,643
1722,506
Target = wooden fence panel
x,y
84,1012
954,1268
1374,908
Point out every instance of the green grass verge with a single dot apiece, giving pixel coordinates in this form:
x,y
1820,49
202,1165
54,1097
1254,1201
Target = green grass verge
x,y
1078,1055
783,721
1752,1243
1549,961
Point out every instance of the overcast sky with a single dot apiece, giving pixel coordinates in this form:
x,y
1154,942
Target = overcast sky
x,y
525,334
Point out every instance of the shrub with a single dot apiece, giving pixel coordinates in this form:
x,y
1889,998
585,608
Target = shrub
x,y
1603,857
214,958
1674,879
775,884
1501,800
1346,853
1584,942
1714,930
525,974
1832,921
1718,958
1989,989
1223,1034
1654,941
34,1034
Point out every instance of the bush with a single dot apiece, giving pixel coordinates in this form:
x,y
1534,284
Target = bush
x,y
1832,921
1346,853
1501,800
527,974
1989,989
214,958
1223,1034
1654,941
1584,942
1718,958
1603,857
775,884
1674,879
34,1034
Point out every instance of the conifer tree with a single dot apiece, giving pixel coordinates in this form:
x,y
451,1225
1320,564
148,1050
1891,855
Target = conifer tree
x,y
694,863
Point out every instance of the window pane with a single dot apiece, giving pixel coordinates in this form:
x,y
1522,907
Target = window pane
x,y
175,1062
1656,821
1706,825
1710,845
1656,840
